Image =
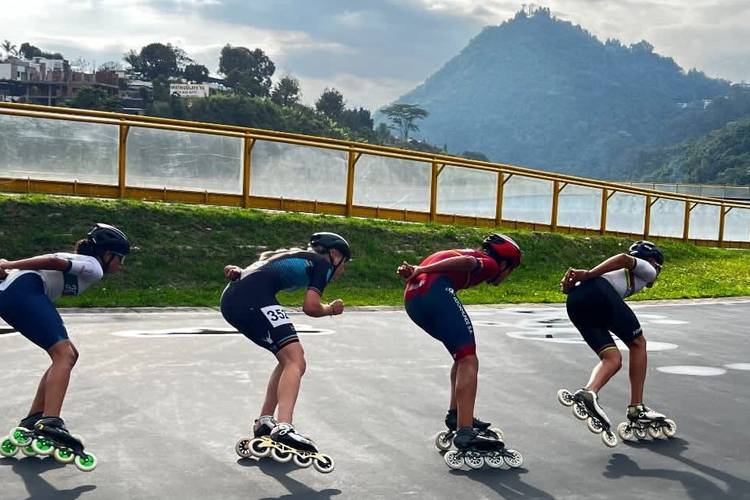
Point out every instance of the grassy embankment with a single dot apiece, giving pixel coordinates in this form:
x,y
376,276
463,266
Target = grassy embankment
x,y
181,250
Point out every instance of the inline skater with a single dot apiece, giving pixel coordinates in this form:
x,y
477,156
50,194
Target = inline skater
x,y
431,302
27,289
249,304
596,306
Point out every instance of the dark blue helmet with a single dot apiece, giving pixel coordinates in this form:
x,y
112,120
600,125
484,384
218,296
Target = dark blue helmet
x,y
328,241
105,237
646,250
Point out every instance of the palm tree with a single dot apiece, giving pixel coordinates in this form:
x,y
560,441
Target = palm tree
x,y
9,48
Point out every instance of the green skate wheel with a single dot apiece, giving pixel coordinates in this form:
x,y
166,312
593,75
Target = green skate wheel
x,y
281,456
670,429
609,438
625,432
7,448
513,458
453,459
21,437
42,446
442,442
86,463
303,462
63,455
28,451
324,464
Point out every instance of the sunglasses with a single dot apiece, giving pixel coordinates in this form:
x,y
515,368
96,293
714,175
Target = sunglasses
x,y
120,257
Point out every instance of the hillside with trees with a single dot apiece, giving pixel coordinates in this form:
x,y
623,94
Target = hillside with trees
x,y
541,92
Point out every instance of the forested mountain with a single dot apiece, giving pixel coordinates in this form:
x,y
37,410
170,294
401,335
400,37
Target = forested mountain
x,y
721,157
541,92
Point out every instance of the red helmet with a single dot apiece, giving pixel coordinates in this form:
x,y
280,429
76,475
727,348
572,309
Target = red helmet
x,y
502,249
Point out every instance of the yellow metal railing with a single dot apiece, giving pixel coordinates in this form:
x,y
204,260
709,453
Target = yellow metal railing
x,y
353,151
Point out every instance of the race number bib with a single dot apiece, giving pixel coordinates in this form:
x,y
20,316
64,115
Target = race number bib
x,y
276,315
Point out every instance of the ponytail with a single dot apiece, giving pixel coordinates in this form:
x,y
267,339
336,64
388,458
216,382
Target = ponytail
x,y
85,247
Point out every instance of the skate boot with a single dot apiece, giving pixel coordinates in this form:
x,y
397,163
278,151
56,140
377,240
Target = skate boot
x,y
643,421
52,438
475,448
585,405
444,439
284,444
262,426
20,437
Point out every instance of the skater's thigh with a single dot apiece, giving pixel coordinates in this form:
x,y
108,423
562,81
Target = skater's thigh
x,y
262,320
25,307
598,339
451,323
625,324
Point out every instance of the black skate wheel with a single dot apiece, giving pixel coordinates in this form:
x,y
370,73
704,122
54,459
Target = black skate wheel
x,y
243,448
324,464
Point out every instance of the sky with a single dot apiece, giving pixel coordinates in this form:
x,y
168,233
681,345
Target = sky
x,y
372,51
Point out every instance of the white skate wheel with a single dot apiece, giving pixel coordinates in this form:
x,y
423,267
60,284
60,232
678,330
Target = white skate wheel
x,y
640,433
609,439
670,429
63,455
626,434
442,442
474,460
565,397
513,458
495,460
594,425
453,459
87,463
243,448
303,462
498,432
281,456
259,447
324,463
20,437
655,432
580,411
28,451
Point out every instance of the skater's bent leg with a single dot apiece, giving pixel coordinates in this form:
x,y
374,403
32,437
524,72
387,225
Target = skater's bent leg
x,y
38,404
466,388
64,356
272,392
454,368
292,360
637,369
610,362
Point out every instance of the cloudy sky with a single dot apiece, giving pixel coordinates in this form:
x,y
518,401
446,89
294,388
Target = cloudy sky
x,y
371,50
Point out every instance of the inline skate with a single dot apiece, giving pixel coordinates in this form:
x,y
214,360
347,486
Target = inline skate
x,y
643,421
585,406
283,444
444,439
474,448
20,438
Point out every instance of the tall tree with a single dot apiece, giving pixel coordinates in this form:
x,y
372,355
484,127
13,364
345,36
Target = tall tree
x,y
403,118
28,51
247,71
286,91
95,98
157,60
195,73
330,103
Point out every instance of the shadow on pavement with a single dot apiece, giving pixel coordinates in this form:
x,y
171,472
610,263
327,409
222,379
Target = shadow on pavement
x,y
30,468
279,472
696,485
506,482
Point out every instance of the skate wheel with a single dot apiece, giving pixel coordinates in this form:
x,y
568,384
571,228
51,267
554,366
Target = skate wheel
x,y
497,432
28,451
21,437
259,447
670,428
7,448
324,464
243,448
495,460
580,411
303,461
513,458
594,425
442,441
639,433
474,460
609,438
63,455
42,446
86,463
655,431
281,456
625,432
453,459
565,397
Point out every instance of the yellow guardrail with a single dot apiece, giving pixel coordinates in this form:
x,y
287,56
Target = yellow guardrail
x,y
354,151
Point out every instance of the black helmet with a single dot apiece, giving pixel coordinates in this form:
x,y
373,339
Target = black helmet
x,y
503,249
329,241
646,250
105,237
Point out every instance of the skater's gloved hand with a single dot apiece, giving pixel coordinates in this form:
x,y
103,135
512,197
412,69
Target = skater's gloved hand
x,y
408,271
232,273
337,307
571,277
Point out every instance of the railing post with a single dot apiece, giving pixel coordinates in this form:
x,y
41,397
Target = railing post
x,y
499,199
686,222
557,188
724,212
603,217
647,217
352,161
122,158
247,165
433,190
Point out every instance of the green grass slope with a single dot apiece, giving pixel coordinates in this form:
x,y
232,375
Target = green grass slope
x,y
180,251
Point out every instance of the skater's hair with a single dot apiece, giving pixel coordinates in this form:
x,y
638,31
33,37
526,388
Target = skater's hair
x,y
85,247
270,253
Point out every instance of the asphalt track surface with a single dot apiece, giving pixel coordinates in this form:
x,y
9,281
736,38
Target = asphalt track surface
x,y
162,411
